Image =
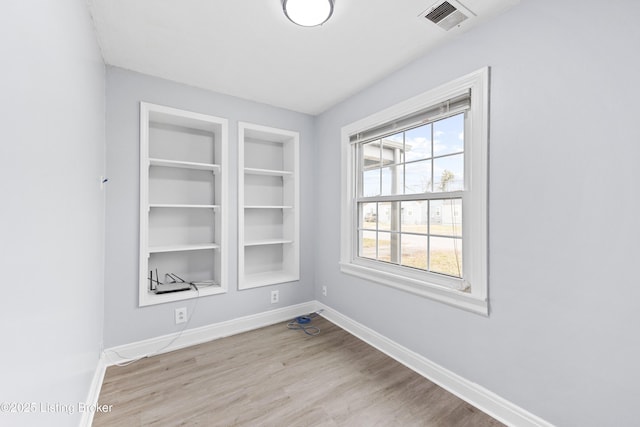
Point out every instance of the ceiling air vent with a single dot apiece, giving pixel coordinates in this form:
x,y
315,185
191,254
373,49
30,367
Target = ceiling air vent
x,y
446,14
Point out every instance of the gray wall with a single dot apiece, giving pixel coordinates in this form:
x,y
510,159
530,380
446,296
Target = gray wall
x,y
562,338
52,214
125,322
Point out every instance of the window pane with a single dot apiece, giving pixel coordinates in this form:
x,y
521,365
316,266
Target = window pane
x,y
392,180
384,246
398,137
417,177
446,217
448,173
414,251
414,217
448,135
371,183
388,216
418,143
393,149
370,155
445,256
368,215
367,244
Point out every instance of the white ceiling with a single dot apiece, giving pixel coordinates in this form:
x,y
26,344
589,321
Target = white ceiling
x,y
248,48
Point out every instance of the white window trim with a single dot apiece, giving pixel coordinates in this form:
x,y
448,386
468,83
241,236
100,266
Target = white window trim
x,y
475,211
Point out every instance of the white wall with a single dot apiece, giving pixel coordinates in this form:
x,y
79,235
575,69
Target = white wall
x,y
562,338
125,322
52,208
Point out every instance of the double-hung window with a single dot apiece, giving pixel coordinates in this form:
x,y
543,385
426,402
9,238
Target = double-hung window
x,y
414,207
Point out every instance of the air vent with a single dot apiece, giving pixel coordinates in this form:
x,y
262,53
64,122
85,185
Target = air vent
x,y
441,12
446,14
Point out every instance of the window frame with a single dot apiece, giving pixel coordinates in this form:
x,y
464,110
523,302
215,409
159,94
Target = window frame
x,y
471,292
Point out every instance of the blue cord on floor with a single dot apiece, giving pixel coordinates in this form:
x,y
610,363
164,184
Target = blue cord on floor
x,y
304,323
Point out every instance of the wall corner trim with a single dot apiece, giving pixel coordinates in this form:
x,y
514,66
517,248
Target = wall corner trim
x,y
94,392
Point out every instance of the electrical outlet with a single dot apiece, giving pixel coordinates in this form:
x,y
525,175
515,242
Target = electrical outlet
x,y
181,315
324,291
275,297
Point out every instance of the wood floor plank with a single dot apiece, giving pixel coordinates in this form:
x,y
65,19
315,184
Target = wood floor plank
x,y
275,376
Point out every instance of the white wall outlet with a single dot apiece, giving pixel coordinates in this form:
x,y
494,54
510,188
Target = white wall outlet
x,y
181,315
324,291
275,297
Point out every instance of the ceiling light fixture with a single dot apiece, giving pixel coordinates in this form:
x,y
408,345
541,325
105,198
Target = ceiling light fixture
x,y
308,13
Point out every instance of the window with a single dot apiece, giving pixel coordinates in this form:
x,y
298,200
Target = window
x,y
414,207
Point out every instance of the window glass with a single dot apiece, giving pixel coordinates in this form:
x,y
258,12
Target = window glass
x,y
426,233
367,244
414,251
446,217
388,216
418,143
445,256
371,183
393,149
415,217
368,215
417,177
384,246
448,136
370,153
392,180
448,173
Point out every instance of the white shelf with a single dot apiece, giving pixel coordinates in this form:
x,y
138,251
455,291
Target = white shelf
x,y
184,165
267,172
267,242
264,279
165,205
268,207
182,295
183,199
182,248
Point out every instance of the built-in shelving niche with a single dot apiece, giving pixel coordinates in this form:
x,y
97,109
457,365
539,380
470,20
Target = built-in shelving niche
x,y
268,196
183,201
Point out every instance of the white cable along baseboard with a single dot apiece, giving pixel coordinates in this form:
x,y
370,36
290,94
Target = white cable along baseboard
x,y
485,400
204,334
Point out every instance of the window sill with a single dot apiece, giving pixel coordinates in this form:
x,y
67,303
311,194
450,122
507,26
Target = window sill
x,y
455,298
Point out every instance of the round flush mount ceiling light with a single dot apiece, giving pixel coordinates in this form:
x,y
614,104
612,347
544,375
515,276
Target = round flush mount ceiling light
x,y
308,13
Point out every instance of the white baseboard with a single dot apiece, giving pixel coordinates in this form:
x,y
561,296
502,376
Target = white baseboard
x,y
163,344
483,399
94,392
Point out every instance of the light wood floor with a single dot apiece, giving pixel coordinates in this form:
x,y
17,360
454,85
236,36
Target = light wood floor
x,y
279,377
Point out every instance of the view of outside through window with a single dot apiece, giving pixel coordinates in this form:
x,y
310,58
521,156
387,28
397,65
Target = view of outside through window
x,y
423,228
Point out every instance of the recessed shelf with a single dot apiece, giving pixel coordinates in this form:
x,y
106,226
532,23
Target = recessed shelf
x,y
268,207
271,277
180,206
181,248
192,293
184,165
267,242
268,172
